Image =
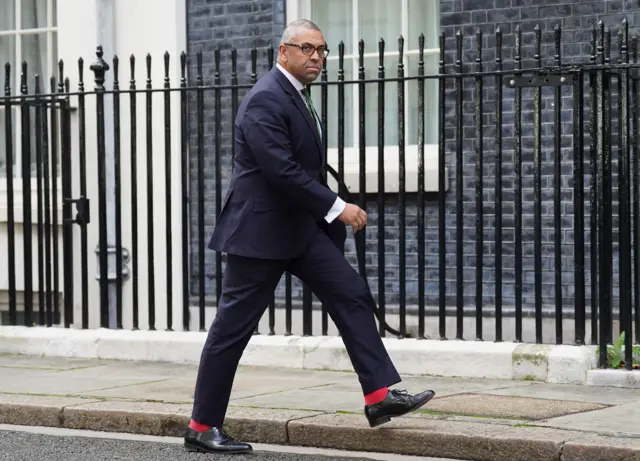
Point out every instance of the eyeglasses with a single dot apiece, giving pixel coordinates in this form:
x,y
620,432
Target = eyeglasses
x,y
308,49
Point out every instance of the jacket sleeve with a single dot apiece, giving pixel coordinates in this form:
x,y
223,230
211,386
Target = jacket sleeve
x,y
266,131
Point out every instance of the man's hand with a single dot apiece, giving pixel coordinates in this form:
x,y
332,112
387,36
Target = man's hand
x,y
354,216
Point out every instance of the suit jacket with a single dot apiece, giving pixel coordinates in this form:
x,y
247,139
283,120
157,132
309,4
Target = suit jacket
x,y
277,198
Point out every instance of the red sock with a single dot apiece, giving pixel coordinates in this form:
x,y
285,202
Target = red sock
x,y
198,427
376,396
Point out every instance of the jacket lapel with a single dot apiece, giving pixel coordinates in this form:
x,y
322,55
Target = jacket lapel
x,y
302,107
296,97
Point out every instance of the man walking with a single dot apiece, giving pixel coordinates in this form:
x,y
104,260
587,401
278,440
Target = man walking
x,y
279,215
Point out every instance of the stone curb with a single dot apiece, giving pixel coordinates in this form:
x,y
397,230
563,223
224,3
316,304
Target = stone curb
x,y
404,436
614,378
467,359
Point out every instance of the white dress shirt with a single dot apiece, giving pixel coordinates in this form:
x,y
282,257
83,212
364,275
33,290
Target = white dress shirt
x,y
339,204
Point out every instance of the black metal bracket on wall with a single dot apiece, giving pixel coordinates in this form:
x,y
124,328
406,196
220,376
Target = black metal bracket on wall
x,y
123,264
83,215
534,81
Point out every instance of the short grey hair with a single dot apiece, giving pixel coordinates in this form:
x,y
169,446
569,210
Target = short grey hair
x,y
295,27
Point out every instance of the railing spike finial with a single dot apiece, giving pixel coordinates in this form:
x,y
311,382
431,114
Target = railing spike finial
x,y
99,67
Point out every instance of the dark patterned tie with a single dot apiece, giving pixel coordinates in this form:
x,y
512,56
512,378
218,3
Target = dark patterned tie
x,y
306,92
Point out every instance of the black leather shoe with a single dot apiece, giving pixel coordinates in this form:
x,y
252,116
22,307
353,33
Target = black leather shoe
x,y
215,440
396,403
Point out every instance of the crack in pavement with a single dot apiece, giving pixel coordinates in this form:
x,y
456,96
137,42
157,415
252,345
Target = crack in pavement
x,y
622,435
286,424
561,452
280,392
131,385
36,394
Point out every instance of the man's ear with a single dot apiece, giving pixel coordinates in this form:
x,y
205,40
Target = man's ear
x,y
282,51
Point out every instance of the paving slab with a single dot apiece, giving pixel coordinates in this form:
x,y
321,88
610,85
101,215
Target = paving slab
x,y
498,406
618,420
602,395
135,371
443,385
249,382
43,400
34,381
47,363
173,390
253,382
317,399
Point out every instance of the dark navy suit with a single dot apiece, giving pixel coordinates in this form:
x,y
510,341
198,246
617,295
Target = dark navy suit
x,y
272,221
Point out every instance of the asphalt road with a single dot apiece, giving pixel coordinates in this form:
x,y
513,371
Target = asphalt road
x,y
42,444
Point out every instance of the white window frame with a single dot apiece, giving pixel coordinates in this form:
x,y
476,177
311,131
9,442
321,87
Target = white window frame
x,y
52,70
297,9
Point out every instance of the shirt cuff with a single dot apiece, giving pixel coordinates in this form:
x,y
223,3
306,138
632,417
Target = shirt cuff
x,y
336,210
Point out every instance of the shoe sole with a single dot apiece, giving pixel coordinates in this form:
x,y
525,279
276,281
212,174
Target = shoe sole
x,y
196,449
385,419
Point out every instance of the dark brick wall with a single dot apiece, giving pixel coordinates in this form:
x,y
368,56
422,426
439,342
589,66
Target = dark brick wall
x,y
576,20
224,25
246,23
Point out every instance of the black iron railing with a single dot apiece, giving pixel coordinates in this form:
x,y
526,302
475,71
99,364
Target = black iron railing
x,y
531,224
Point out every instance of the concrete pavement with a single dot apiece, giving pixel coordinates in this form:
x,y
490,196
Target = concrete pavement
x,y
558,364
470,419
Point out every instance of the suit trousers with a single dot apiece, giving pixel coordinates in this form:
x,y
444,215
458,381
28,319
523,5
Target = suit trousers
x,y
247,287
